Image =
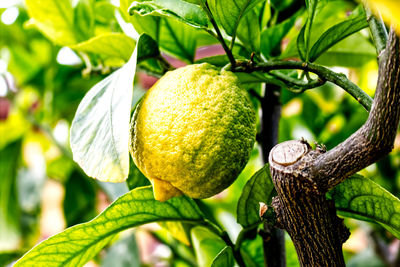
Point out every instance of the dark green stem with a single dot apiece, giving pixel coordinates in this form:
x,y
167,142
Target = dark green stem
x,y
220,37
378,30
166,66
243,235
296,85
324,74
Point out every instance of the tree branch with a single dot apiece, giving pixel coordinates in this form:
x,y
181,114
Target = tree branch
x,y
376,137
323,73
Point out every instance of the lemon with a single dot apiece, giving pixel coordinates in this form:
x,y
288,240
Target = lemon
x,y
193,131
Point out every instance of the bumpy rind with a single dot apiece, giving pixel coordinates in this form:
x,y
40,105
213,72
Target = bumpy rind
x,y
195,129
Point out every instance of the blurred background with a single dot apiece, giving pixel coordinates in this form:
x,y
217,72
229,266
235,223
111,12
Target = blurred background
x,y
42,191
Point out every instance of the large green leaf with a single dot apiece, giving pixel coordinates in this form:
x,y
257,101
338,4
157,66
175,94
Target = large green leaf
x,y
337,33
272,36
248,31
186,12
259,188
174,37
353,51
100,129
229,13
178,39
224,258
361,198
207,245
78,244
54,18
9,211
109,44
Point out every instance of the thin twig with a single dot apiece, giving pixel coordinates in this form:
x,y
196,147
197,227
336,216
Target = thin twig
x,y
295,85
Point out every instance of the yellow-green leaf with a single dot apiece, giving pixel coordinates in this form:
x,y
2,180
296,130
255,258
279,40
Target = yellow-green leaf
x,y
109,44
54,18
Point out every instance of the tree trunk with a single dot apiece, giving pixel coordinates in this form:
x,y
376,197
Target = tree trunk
x,y
304,212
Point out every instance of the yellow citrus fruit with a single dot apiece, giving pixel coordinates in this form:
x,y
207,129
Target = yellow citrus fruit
x,y
193,131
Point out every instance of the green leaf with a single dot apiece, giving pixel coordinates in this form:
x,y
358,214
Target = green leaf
x,y
174,37
248,31
100,129
104,12
84,19
361,198
354,51
78,244
229,13
150,25
271,37
335,34
218,60
54,18
109,44
207,245
301,44
259,188
186,12
178,39
224,258
180,231
10,233
281,4
252,252
135,177
303,41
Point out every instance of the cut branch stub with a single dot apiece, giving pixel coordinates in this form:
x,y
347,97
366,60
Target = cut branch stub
x,y
288,152
302,209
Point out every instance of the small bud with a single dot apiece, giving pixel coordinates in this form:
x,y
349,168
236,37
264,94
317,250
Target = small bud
x,y
263,209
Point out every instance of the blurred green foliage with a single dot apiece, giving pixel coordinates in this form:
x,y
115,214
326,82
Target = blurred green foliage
x,y
47,68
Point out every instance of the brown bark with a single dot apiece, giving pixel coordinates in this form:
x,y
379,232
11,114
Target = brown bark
x,y
375,138
302,176
302,210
